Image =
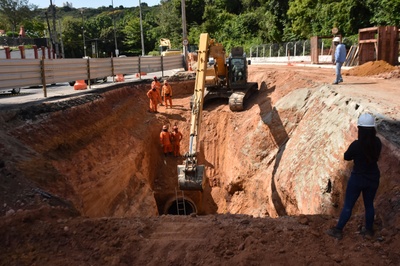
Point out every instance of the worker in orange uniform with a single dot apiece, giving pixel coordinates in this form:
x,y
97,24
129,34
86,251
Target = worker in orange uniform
x,y
165,140
176,140
155,98
156,84
167,93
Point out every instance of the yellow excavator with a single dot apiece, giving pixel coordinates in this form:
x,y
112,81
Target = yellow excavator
x,y
225,78
165,48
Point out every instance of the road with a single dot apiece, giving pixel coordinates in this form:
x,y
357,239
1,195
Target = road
x,y
61,90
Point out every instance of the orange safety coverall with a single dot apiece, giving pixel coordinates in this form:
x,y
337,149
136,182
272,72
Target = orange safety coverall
x,y
155,98
167,93
165,140
176,142
156,84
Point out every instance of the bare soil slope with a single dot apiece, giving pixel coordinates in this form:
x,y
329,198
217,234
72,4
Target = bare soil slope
x,y
84,182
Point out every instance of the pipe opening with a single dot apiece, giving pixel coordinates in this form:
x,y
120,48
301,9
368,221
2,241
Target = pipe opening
x,y
181,206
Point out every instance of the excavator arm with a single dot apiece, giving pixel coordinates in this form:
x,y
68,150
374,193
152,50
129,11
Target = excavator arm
x,y
190,174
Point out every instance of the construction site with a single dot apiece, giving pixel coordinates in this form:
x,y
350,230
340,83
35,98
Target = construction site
x,y
85,180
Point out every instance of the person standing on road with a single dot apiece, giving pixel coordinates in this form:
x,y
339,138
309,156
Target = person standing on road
x,y
176,140
364,177
167,93
340,57
165,141
154,97
156,84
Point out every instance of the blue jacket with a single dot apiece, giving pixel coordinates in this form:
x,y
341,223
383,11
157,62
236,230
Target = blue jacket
x,y
340,53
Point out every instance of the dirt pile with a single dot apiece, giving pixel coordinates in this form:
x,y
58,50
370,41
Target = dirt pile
x,y
105,186
381,68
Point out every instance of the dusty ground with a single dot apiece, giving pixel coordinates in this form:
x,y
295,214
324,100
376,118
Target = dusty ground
x,y
50,218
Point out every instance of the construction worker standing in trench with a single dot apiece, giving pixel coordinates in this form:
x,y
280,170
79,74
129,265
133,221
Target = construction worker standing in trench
x,y
156,84
165,140
167,93
154,97
176,140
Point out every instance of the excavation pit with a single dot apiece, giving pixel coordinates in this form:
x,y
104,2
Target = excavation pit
x,y
84,180
101,151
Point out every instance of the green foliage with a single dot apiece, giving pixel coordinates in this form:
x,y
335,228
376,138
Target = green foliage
x,y
231,22
34,28
385,12
169,24
16,11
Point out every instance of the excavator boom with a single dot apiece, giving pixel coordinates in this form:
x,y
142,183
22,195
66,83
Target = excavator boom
x,y
190,175
226,78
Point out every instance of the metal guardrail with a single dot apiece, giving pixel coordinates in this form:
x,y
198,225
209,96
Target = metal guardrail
x,y
16,73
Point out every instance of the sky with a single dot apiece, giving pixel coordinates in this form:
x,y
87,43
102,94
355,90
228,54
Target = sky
x,y
93,3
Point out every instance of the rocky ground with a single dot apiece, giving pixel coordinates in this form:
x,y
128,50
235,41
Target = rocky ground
x,y
83,182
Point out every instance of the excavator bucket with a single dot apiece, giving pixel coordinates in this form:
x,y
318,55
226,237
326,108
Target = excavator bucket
x,y
190,179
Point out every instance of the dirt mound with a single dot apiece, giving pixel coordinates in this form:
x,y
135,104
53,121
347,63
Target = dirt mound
x,y
374,68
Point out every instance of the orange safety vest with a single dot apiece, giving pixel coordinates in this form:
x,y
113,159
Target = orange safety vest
x,y
176,137
165,138
167,90
153,95
157,85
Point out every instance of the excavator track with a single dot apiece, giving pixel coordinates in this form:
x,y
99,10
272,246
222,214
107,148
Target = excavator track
x,y
237,99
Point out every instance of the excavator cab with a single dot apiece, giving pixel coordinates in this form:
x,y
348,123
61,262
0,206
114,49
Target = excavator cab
x,y
238,71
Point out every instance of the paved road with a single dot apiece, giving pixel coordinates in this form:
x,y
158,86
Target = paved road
x,y
61,90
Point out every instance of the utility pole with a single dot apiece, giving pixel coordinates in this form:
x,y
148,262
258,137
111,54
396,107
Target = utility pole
x,y
184,33
115,33
54,35
141,27
83,34
61,40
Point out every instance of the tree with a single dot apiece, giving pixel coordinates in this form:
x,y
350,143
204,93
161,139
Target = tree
x,y
318,17
16,11
385,12
170,23
72,37
132,34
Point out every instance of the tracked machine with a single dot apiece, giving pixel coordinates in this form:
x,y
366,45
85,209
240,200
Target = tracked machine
x,y
224,78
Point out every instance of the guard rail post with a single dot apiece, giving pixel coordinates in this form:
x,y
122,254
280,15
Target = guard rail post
x,y
8,52
112,68
22,51
88,70
162,66
140,70
43,74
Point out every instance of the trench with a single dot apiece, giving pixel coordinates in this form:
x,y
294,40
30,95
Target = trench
x,y
103,154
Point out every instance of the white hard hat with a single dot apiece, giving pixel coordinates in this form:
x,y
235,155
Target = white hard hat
x,y
336,39
366,120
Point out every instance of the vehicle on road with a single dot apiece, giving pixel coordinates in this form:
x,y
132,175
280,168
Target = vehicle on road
x,y
12,91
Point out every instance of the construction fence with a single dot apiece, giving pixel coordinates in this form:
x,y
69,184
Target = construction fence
x,y
376,43
17,73
296,51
